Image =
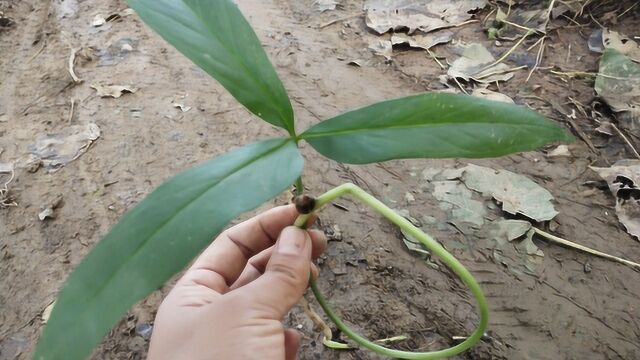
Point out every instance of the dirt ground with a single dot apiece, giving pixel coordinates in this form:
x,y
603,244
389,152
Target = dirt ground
x,y
574,306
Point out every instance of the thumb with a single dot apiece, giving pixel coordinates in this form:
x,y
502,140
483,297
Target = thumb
x,y
286,276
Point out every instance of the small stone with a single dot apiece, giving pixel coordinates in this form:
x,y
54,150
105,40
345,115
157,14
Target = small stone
x,y
409,197
587,267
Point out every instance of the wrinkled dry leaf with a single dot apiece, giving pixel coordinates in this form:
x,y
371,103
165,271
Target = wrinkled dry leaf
x,y
517,193
57,150
625,45
514,246
423,15
532,19
381,47
491,95
114,91
623,179
465,208
422,41
477,63
618,83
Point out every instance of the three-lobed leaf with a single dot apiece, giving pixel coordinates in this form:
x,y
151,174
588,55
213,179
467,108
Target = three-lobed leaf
x,y
432,125
217,38
159,237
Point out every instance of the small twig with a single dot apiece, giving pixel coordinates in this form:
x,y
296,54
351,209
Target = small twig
x,y
35,55
433,56
505,55
629,9
339,20
460,85
4,191
72,60
498,72
538,59
546,21
320,324
559,240
466,22
633,149
71,108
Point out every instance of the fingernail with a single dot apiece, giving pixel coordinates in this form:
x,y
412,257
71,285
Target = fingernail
x,y
292,241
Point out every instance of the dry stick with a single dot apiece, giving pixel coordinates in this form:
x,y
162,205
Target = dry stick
x,y
546,22
433,56
633,149
506,54
538,58
339,20
629,9
559,240
71,108
72,60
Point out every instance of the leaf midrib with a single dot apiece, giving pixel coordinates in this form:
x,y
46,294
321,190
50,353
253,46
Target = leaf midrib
x,y
308,135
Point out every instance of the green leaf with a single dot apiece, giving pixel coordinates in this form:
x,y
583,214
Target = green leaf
x,y
215,36
159,237
432,125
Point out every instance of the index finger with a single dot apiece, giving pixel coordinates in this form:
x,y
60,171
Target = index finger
x,y
220,265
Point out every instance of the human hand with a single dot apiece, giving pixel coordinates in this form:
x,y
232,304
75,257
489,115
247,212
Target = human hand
x,y
230,303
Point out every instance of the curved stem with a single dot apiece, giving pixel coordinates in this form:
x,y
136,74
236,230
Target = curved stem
x,y
427,241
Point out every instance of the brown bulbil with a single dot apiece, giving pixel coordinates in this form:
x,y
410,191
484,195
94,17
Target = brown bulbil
x,y
304,203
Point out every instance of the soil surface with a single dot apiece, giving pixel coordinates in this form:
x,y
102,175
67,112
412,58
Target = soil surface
x,y
573,306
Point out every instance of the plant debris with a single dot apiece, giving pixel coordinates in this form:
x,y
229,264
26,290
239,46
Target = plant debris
x,y
46,313
455,197
477,63
510,235
381,47
57,150
623,179
48,211
422,41
491,95
423,15
618,79
517,193
114,91
326,5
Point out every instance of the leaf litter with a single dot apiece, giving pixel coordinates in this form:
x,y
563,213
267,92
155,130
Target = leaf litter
x,y
114,91
57,150
478,64
618,79
517,193
623,179
423,15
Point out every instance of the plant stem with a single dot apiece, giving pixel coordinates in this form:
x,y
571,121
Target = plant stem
x,y
427,241
299,186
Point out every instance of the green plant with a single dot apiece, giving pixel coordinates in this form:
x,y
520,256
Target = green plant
x,y
171,225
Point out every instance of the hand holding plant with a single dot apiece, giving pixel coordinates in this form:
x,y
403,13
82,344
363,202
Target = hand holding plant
x,y
230,303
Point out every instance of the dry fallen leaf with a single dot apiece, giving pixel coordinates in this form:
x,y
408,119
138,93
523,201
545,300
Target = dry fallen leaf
x,y
517,193
478,64
114,91
381,47
623,179
423,15
422,41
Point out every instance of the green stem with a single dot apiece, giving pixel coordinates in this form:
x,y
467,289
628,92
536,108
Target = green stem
x,y
299,186
427,241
